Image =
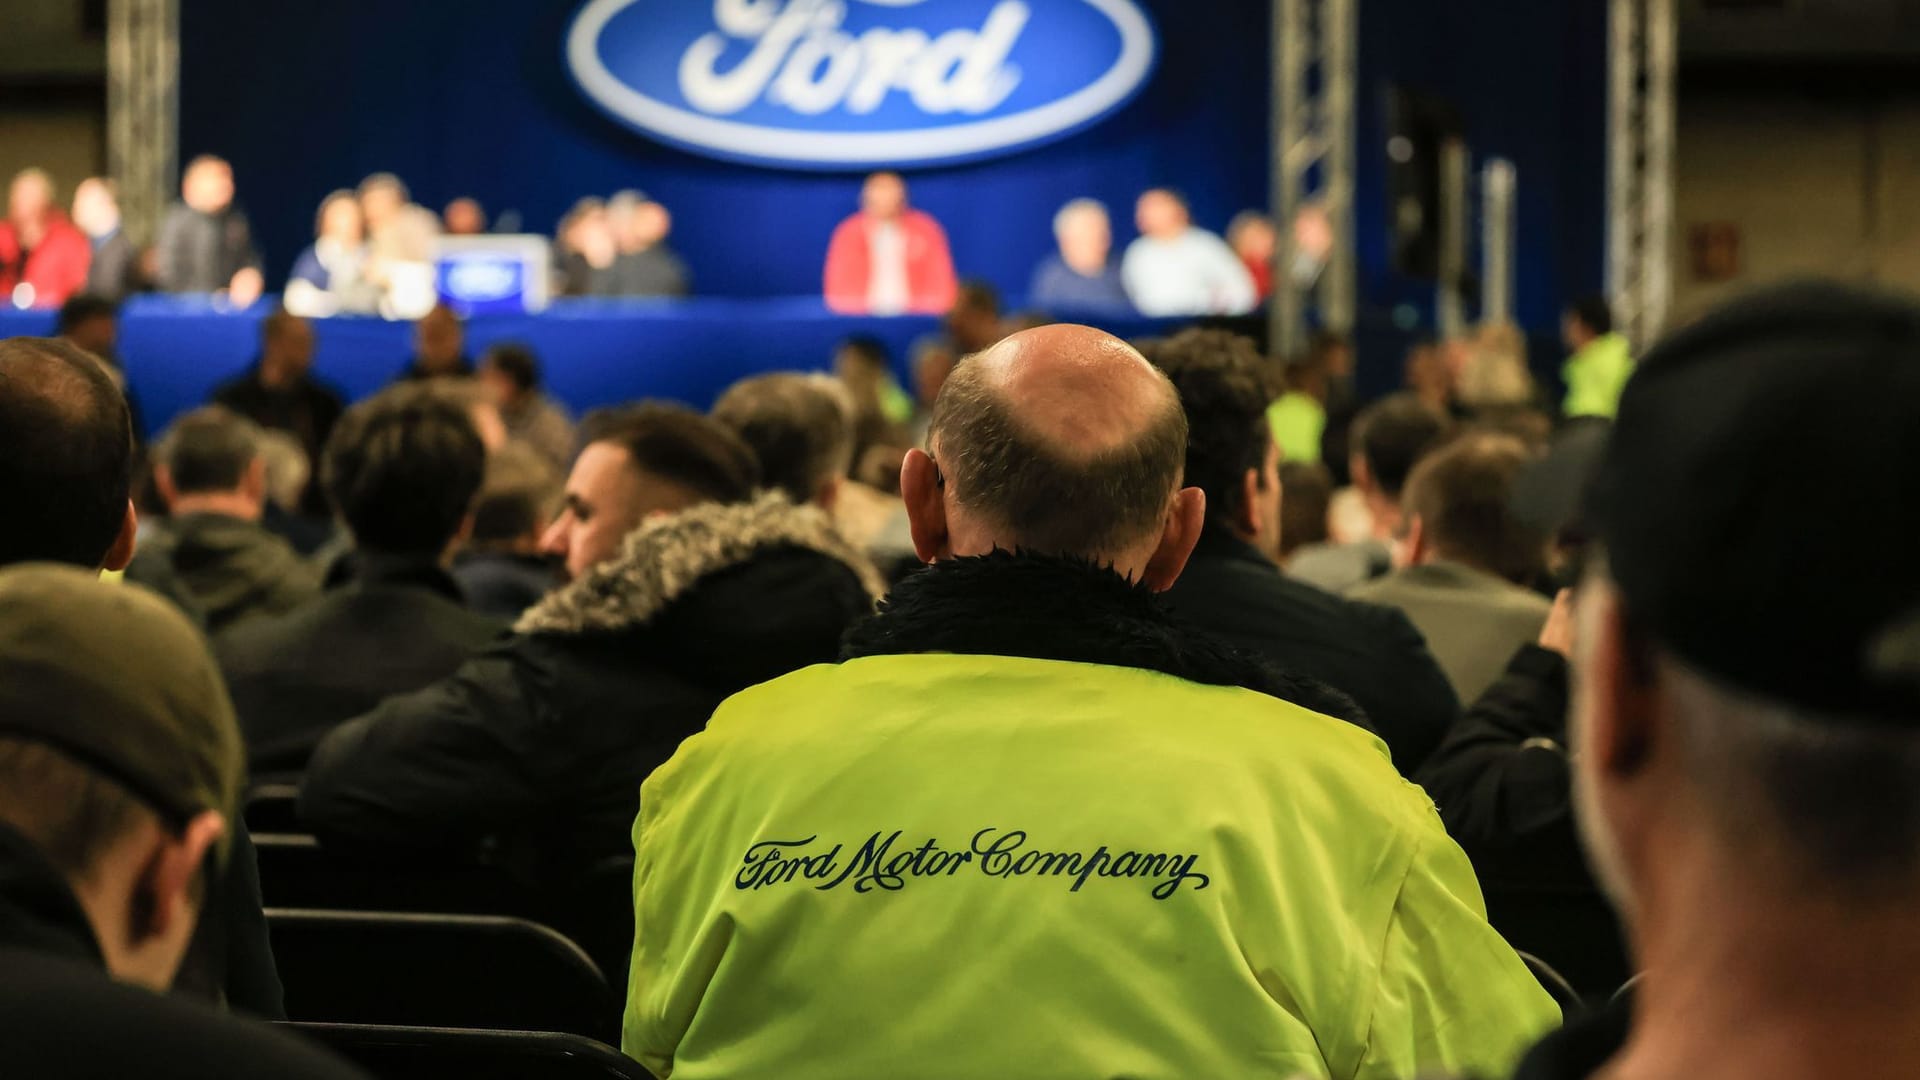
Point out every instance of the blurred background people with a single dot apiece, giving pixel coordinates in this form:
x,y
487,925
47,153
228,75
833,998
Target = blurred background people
x,y
501,570
439,346
43,257
1250,235
510,375
587,250
1600,363
881,409
889,259
114,272
463,217
329,278
646,265
1177,268
400,244
205,242
1081,277
279,391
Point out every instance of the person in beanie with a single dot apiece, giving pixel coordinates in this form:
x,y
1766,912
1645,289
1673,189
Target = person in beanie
x,y
1746,714
120,775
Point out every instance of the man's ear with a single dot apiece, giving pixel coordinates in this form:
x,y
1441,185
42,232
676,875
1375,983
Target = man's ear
x,y
829,493
253,483
1358,472
1177,537
121,553
1248,519
926,500
163,483
164,892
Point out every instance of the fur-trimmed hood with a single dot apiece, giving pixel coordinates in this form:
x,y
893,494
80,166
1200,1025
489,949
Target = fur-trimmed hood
x,y
1046,607
662,561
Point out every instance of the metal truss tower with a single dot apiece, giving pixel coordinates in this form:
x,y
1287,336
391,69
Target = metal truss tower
x,y
1641,60
143,80
1315,48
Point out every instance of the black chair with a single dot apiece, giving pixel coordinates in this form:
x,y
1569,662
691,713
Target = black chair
x,y
1556,986
464,971
1574,930
596,911
269,809
297,872
404,1053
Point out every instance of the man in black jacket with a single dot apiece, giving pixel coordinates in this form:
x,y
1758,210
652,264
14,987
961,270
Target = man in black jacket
x,y
542,740
1233,586
120,773
280,392
205,243
402,469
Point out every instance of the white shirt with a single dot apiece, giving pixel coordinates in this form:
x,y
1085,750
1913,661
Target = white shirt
x,y
1195,273
887,289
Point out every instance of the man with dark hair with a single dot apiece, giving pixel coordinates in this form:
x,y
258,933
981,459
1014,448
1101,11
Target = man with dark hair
x,y
402,470
1026,762
1601,362
120,776
280,392
1389,438
501,569
1468,561
1746,719
205,244
510,375
66,458
685,589
209,471
1233,586
91,322
799,433
439,346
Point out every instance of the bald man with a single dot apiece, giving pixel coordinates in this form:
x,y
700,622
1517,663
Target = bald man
x,y
1033,826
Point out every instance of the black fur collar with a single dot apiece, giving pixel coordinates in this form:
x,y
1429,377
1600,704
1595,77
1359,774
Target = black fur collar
x,y
1046,607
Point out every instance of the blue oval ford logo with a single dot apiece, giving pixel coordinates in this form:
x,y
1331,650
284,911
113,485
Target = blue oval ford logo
x,y
833,84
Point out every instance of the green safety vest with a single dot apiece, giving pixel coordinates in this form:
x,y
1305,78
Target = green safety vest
x,y
1595,376
935,865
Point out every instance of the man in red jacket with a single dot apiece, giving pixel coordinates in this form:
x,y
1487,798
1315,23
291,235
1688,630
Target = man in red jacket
x,y
43,258
889,259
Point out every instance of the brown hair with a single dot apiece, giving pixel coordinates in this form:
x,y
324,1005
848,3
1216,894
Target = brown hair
x,y
70,813
680,446
1051,502
1461,492
798,430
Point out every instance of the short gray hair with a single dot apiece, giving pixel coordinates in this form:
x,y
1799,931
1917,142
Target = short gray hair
x,y
1078,206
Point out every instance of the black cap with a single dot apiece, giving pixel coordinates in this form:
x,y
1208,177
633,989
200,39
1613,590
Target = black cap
x,y
1760,495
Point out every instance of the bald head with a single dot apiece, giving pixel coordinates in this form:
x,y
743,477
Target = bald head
x,y
1062,440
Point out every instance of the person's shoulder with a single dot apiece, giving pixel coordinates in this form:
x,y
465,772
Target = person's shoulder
x,y
65,1019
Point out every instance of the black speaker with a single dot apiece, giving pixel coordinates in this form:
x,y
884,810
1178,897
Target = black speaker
x,y
1418,126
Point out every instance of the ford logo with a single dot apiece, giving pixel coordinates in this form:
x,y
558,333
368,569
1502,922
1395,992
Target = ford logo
x,y
851,84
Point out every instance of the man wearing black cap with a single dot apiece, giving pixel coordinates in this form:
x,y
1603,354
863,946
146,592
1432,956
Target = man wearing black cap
x,y
1746,722
120,769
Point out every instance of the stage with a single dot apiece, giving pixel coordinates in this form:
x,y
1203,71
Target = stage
x,y
595,352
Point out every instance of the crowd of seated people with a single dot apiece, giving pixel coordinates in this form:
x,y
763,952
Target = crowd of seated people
x,y
880,816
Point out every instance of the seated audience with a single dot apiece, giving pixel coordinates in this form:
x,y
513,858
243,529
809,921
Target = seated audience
x,y
685,589
211,475
1298,416
439,346
1176,268
1466,561
66,478
92,323
290,476
1494,376
510,376
797,432
463,217
1745,760
1233,587
120,775
113,273
329,278
280,392
402,469
400,242
1600,363
889,259
43,257
645,265
881,408
1081,278
501,569
1389,439
1250,234
1306,498
991,775
933,361
205,244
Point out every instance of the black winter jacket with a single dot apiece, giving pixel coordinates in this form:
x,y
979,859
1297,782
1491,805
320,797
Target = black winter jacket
x,y
542,740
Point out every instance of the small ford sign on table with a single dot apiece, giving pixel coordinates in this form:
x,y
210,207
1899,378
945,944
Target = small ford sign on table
x,y
853,84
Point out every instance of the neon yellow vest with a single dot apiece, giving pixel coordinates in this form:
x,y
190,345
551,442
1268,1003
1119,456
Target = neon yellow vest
x,y
963,866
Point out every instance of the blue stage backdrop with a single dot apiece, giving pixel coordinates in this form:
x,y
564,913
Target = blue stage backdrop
x,y
474,97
